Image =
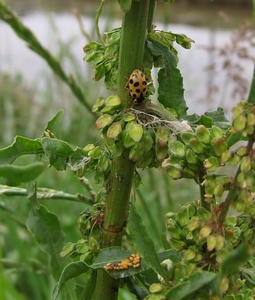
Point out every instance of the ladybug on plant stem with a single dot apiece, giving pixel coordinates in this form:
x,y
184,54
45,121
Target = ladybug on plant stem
x,y
137,86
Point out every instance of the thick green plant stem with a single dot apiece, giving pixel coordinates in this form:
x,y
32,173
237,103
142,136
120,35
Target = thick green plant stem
x,y
134,29
132,42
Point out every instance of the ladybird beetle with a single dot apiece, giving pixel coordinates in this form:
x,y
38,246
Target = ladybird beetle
x,y
137,86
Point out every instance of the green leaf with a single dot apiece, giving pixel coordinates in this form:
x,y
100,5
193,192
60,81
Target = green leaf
x,y
58,151
143,243
233,138
235,259
114,255
46,229
19,147
171,92
54,125
125,5
72,270
183,40
216,118
195,282
18,174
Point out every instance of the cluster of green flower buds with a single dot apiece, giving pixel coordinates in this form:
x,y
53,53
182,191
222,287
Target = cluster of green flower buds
x,y
244,118
93,158
131,129
193,150
85,249
246,223
194,231
89,224
105,57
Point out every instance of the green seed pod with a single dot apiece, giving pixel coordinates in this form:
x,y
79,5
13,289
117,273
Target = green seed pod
x,y
245,164
95,153
226,156
220,146
182,217
98,105
238,109
136,152
220,241
203,213
147,140
113,101
218,190
135,131
161,152
189,254
162,136
239,206
205,231
245,226
68,249
242,151
189,173
129,117
211,164
224,283
196,146
248,130
216,132
176,148
146,160
118,148
103,163
177,244
114,130
156,288
186,136
211,242
174,233
234,160
203,134
191,208
248,234
128,141
108,110
193,224
251,120
174,171
104,121
239,123
191,157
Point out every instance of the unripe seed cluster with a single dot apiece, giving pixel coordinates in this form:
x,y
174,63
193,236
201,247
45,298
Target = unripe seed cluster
x,y
195,233
244,118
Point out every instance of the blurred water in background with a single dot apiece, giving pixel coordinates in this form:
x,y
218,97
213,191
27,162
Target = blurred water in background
x,y
56,28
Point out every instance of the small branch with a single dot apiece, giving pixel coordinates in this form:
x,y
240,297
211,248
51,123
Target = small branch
x,y
201,175
45,194
98,13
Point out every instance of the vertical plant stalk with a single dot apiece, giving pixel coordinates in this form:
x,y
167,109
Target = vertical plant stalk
x,y
201,174
134,30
